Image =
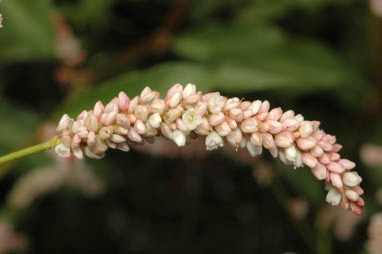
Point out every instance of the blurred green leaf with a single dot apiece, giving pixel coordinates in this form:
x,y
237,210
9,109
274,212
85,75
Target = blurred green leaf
x,y
27,31
266,58
303,182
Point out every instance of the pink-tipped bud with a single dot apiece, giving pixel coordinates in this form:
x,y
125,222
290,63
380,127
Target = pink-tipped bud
x,y
110,118
231,123
290,124
256,139
319,171
175,99
347,164
324,159
336,148
275,114
268,141
112,106
133,104
173,114
98,109
351,195
148,98
287,115
204,128
325,146
309,160
140,127
117,138
174,89
223,129
123,120
306,143
284,139
236,114
123,101
216,103
336,180
157,106
249,125
255,106
265,106
274,126
182,126
91,139
217,118
141,112
317,151
134,136
231,103
306,129
145,92
155,120
245,105
334,156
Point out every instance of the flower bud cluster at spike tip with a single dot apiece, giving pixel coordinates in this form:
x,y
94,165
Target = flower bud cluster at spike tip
x,y
186,112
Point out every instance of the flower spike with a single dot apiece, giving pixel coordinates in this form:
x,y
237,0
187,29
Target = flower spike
x,y
186,111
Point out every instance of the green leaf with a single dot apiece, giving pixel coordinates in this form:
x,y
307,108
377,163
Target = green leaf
x,y
27,31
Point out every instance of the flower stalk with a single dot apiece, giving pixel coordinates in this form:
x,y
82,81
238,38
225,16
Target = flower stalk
x,y
53,142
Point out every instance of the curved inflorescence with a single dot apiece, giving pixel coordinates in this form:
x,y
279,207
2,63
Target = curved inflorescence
x,y
186,113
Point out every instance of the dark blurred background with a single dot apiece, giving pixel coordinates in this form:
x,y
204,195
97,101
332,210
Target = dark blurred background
x,y
321,58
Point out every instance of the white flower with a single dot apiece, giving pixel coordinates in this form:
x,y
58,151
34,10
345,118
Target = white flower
x,y
213,141
62,150
155,120
351,179
254,150
189,90
179,138
293,155
333,197
191,119
216,103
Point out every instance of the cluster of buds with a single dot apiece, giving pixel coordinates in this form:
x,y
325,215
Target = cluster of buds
x,y
186,113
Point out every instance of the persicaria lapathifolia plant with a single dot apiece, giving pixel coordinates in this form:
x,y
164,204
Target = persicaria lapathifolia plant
x,y
186,113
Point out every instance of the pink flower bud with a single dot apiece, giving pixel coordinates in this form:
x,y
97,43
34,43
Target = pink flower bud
x,y
324,159
123,120
174,89
123,147
347,164
175,99
255,106
263,127
155,120
141,112
231,123
112,106
83,132
306,143
284,139
140,127
265,106
117,138
98,109
318,135
336,180
268,141
319,171
256,139
236,114
145,92
91,139
290,124
317,151
274,126
132,118
81,116
245,105
325,146
275,114
165,130
182,126
217,118
77,152
203,128
123,101
334,156
351,195
191,100
309,160
336,148
133,104
216,103
254,150
335,167
148,98
110,118
173,114
306,129
157,106
287,115
249,125
134,136
223,129
247,114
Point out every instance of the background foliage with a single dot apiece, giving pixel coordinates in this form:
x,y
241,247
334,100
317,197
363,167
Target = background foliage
x,y
318,57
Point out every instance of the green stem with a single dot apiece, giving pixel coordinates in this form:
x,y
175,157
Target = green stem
x,y
30,150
